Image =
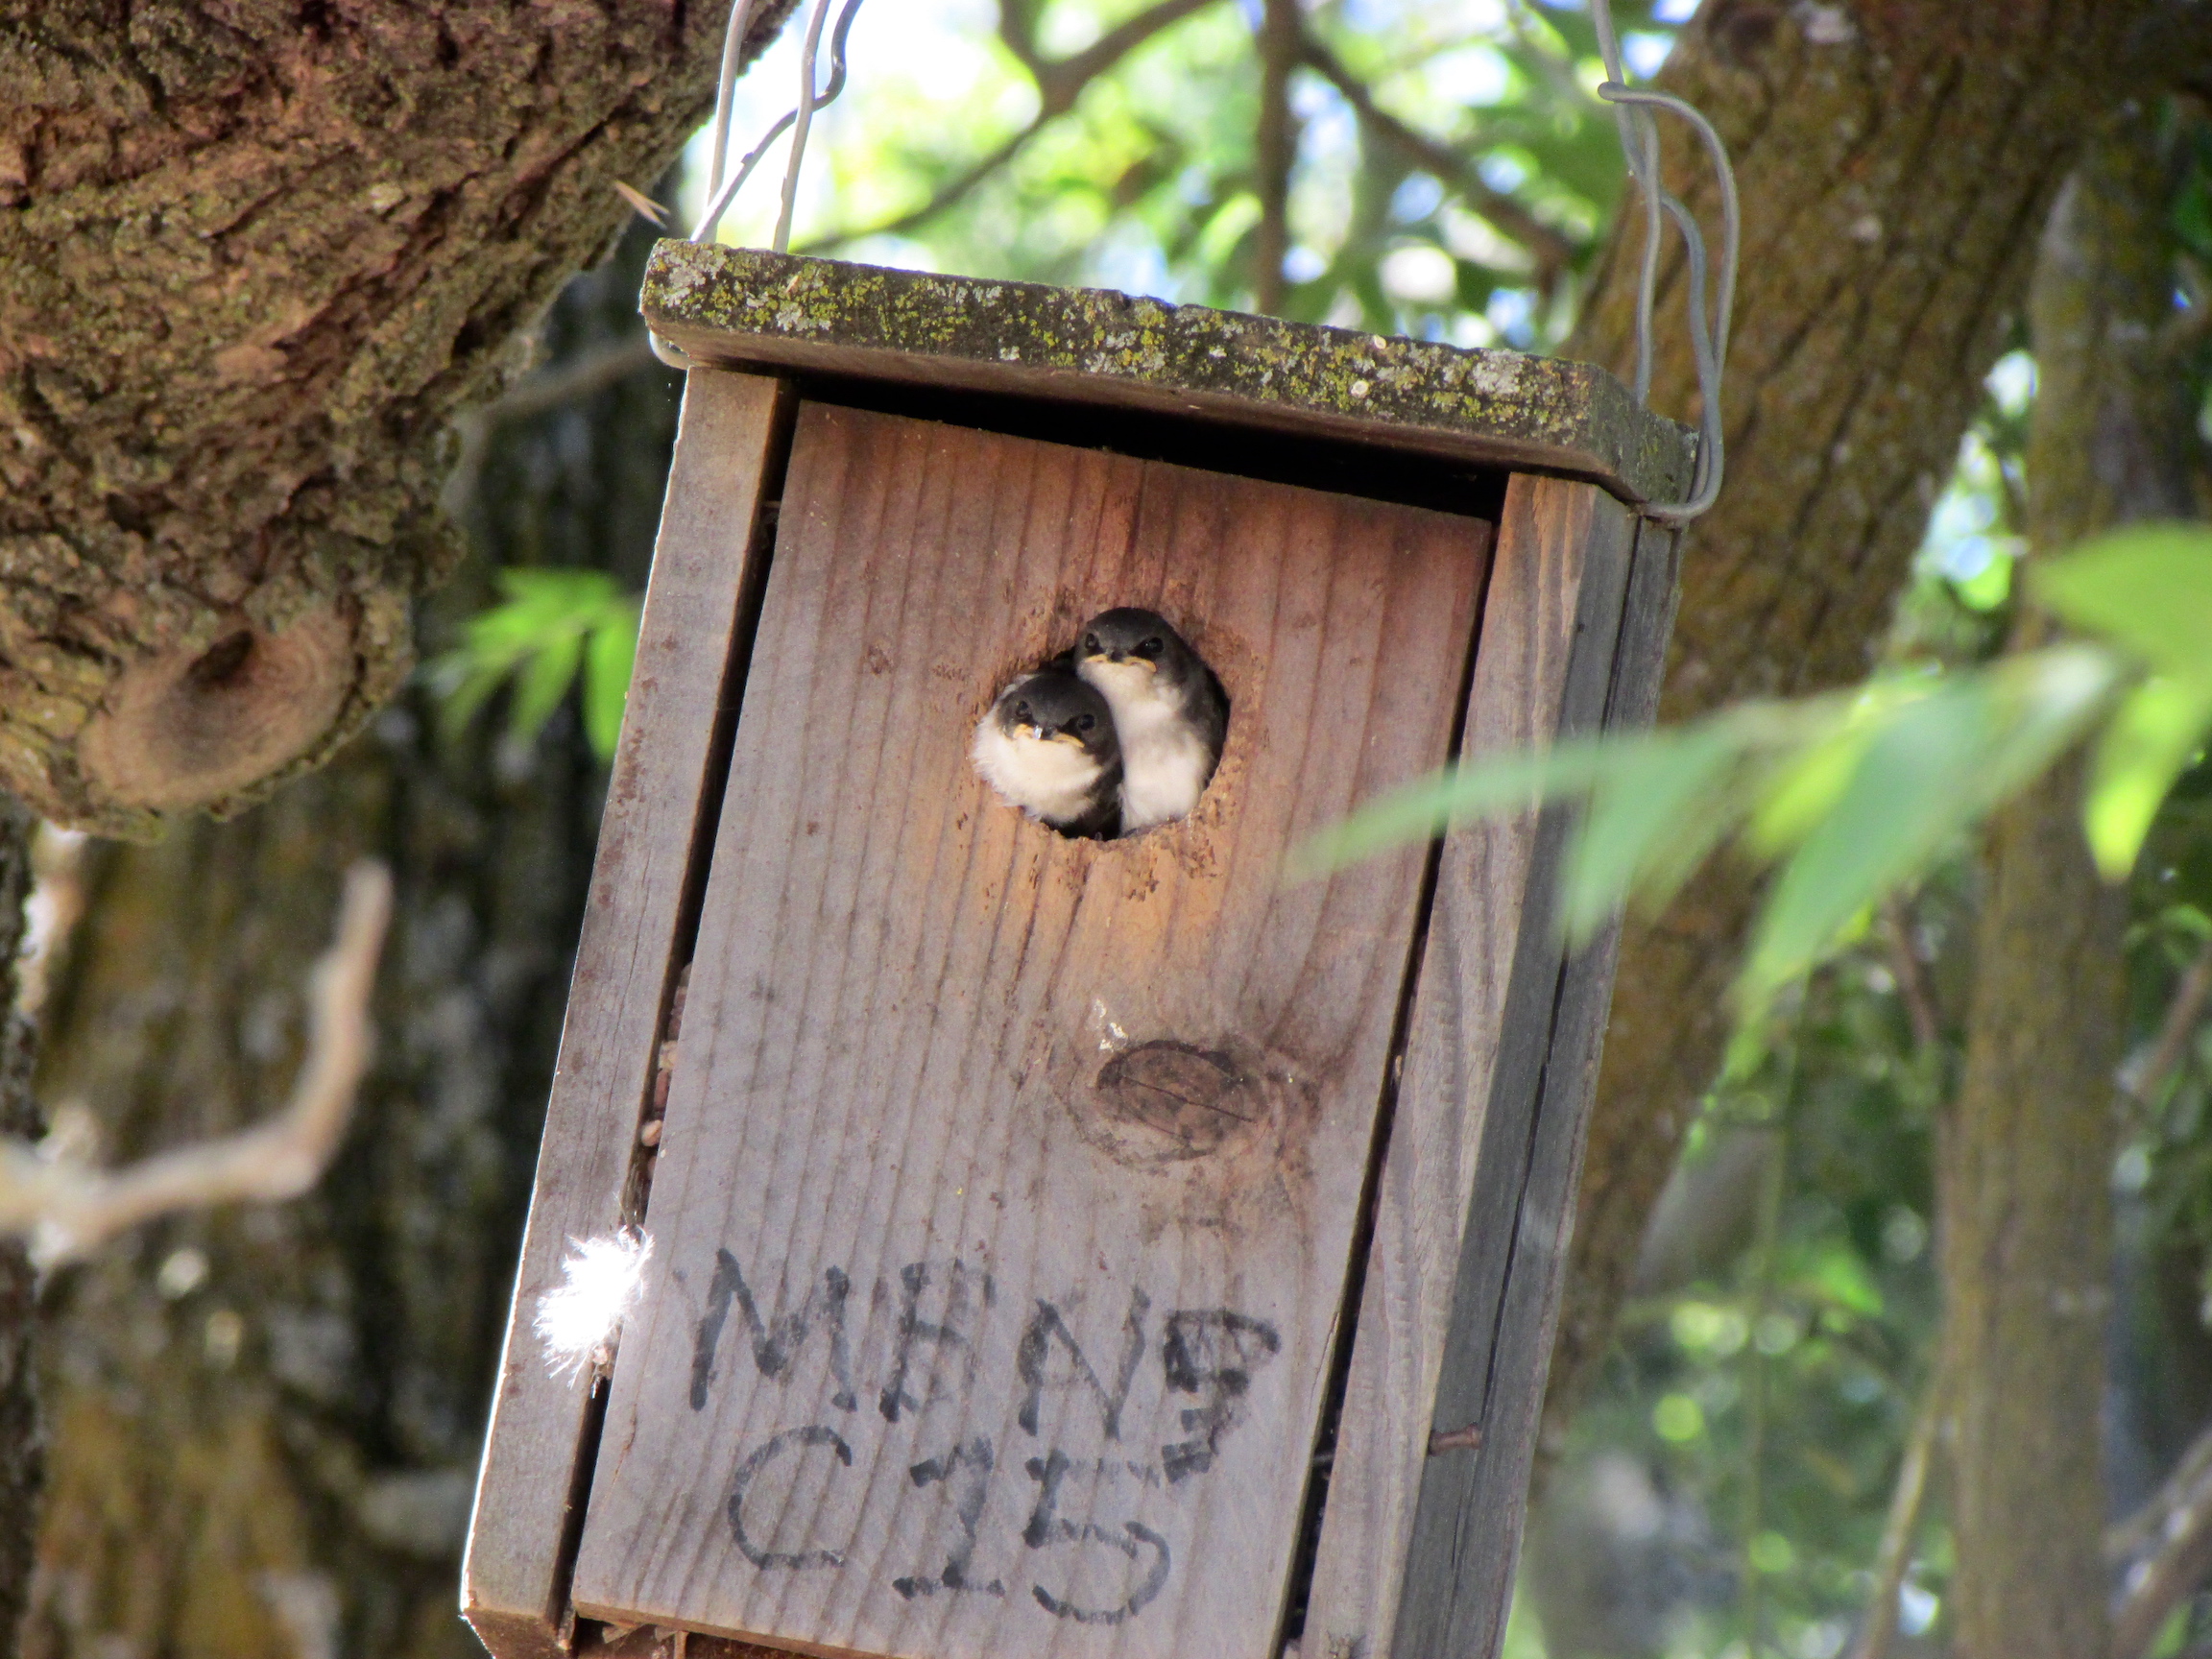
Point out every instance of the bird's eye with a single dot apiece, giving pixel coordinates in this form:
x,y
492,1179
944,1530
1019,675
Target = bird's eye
x,y
1150,648
1023,714
1085,722
1090,642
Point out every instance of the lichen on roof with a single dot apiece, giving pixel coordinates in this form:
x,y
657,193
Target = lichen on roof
x,y
745,306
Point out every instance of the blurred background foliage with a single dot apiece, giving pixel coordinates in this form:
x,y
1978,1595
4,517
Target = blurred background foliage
x,y
1728,1491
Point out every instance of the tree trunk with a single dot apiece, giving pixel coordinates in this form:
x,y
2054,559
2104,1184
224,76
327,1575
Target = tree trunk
x,y
1895,160
265,1421
253,256
21,1452
2026,1223
2024,1162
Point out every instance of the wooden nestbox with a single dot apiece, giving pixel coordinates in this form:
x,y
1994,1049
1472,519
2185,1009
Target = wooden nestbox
x,y
1117,1249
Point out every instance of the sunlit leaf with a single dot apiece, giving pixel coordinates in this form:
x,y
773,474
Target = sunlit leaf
x,y
464,689
2158,730
1933,768
550,625
1810,776
1989,587
609,657
542,683
1657,809
1836,1275
1488,787
2147,588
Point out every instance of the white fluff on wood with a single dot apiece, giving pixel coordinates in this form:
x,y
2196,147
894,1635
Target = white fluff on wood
x,y
579,1319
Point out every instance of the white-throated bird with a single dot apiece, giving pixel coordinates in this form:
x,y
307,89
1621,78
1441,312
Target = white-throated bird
x,y
1170,715
1048,745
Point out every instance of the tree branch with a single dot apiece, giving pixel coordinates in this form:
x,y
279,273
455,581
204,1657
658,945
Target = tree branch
x,y
584,375
1277,151
1552,252
1018,29
67,1209
945,196
2141,1078
1060,82
2162,1551
1912,977
1893,1555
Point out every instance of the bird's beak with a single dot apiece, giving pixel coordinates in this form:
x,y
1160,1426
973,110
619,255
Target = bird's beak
x,y
1030,731
1067,737
1122,660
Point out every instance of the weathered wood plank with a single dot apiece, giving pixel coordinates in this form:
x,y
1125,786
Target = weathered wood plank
x,y
744,305
1539,607
704,570
1465,1541
652,1642
1008,1182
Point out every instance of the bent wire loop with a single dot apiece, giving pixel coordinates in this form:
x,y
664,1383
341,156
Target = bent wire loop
x,y
1708,305
722,190
1709,309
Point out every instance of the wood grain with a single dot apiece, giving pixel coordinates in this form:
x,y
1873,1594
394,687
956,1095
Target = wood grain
x,y
1481,1016
705,566
1459,1566
943,1350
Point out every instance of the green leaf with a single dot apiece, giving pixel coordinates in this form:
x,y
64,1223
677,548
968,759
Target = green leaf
x,y
471,688
610,655
556,588
1656,810
2147,588
1989,587
1810,776
550,623
1491,786
2152,740
1836,1276
1934,766
541,685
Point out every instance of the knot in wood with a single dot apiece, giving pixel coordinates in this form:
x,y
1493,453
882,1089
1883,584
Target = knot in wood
x,y
186,727
1195,1096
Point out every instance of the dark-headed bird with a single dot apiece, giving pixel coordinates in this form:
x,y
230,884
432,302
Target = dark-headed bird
x,y
1170,716
1048,745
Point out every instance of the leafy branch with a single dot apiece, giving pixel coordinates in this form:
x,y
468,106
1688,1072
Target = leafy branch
x,y
1060,83
1855,795
1553,251
555,627
1283,43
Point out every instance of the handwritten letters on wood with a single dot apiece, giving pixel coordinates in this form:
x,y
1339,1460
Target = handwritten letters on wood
x,y
1008,1182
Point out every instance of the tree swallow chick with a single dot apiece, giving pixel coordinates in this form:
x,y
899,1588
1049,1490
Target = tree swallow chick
x,y
1169,714
1047,746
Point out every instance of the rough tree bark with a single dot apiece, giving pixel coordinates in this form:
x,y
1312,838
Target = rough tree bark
x,y
253,255
1896,160
2024,1158
265,1422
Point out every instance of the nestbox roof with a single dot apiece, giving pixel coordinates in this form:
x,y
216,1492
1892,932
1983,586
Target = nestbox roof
x,y
742,306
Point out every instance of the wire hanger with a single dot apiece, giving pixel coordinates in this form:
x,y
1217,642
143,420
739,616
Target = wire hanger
x,y
1709,303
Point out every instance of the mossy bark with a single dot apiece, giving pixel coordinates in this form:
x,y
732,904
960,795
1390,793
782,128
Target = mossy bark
x,y
253,255
2026,1158
265,1422
1896,163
